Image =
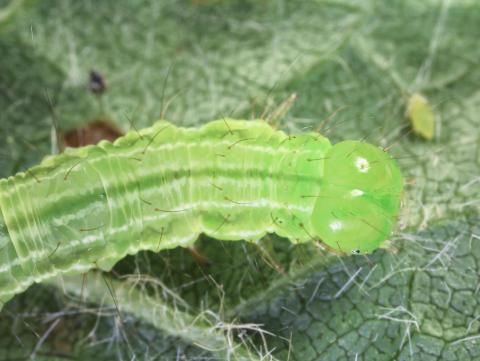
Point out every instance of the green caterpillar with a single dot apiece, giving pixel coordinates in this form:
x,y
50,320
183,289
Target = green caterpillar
x,y
161,187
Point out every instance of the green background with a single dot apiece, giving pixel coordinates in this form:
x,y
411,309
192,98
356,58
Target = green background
x,y
356,62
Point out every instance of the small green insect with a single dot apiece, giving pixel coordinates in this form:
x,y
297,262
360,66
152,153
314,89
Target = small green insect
x,y
163,186
421,116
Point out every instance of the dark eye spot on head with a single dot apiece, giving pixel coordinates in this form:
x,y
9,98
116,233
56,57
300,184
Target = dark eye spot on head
x,y
356,251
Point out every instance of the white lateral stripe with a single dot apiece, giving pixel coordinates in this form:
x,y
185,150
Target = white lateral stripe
x,y
199,206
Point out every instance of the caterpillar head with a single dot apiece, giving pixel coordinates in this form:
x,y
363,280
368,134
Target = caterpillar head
x,y
359,199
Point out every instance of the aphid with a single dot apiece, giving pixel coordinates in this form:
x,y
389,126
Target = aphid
x,y
421,116
161,187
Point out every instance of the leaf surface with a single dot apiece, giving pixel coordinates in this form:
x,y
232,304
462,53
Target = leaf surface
x,y
353,63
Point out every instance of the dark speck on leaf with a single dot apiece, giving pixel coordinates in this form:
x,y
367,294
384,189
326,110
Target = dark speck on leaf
x,y
97,83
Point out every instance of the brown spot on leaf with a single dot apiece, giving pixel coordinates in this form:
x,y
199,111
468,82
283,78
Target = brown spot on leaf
x,y
92,133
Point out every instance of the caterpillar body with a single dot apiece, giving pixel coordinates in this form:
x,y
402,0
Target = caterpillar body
x,y
161,187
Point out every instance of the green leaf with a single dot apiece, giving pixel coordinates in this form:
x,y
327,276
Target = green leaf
x,y
353,66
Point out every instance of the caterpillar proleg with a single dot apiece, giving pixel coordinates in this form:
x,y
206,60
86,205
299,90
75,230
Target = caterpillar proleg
x,y
161,187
